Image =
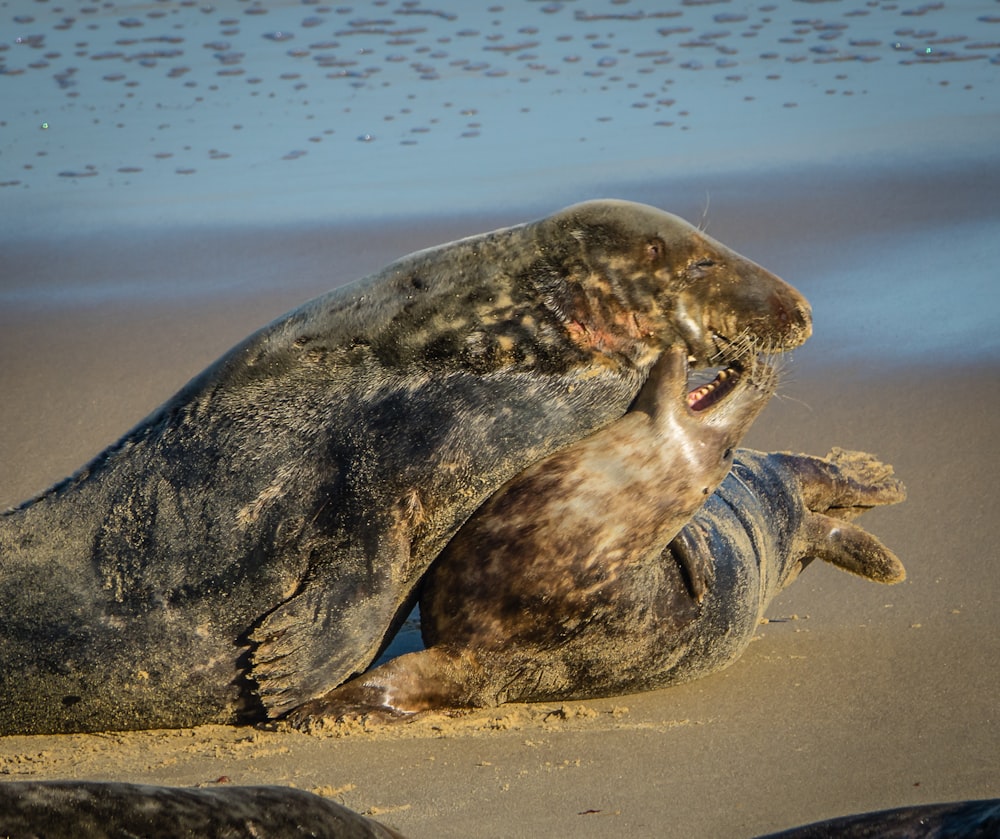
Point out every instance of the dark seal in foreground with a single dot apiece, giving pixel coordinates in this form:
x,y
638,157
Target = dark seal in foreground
x,y
507,625
954,820
91,810
252,543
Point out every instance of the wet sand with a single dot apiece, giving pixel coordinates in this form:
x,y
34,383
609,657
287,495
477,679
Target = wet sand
x,y
133,256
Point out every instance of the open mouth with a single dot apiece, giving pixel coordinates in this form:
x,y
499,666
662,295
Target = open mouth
x,y
716,365
712,392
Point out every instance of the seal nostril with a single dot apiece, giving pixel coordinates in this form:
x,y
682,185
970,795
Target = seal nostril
x,y
791,316
780,311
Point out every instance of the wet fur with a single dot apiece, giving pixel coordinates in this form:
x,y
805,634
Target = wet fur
x,y
253,542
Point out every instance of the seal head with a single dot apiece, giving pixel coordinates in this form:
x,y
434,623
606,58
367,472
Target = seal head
x,y
634,273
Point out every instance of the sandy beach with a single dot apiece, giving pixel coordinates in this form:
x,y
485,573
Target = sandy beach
x,y
118,287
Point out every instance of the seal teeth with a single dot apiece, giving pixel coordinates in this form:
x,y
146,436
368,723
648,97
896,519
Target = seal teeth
x,y
707,395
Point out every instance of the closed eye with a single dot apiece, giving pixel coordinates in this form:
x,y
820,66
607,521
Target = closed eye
x,y
697,270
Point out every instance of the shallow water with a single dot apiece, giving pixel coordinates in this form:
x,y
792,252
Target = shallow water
x,y
927,296
137,114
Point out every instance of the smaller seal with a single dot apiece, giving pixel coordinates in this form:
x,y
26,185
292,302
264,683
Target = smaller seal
x,y
93,810
558,554
536,628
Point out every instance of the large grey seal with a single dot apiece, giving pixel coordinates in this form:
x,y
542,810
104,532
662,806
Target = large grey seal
x,y
93,810
253,542
506,623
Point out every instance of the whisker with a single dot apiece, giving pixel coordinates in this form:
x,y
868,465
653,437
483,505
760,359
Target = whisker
x,y
784,397
743,346
703,221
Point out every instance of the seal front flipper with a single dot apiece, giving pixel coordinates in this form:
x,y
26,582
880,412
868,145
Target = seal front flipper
x,y
313,642
338,621
691,551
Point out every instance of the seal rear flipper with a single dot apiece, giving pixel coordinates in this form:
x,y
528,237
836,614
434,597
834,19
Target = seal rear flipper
x,y
849,547
845,483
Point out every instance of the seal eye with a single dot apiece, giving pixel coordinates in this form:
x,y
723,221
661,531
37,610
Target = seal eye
x,y
697,269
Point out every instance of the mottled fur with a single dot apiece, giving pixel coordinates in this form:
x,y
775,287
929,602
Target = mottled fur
x,y
253,542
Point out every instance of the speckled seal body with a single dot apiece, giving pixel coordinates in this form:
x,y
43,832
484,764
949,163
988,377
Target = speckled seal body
x,y
533,628
252,543
92,810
